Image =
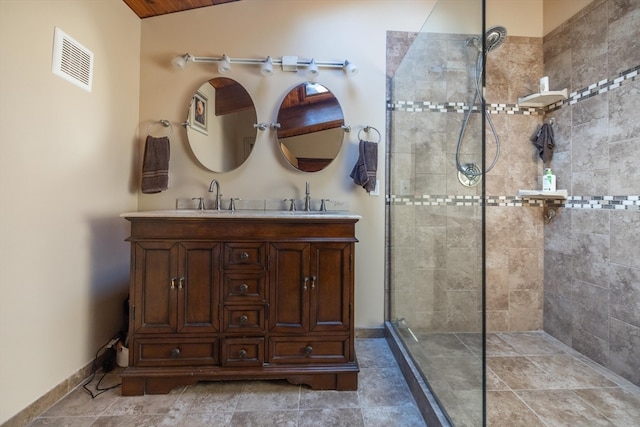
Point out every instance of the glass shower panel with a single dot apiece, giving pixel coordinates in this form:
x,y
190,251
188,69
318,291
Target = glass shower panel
x,y
435,276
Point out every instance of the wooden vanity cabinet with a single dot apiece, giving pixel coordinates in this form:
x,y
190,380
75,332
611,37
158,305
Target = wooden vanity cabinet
x,y
219,298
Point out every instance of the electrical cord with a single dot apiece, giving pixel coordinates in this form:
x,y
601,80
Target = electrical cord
x,y
94,370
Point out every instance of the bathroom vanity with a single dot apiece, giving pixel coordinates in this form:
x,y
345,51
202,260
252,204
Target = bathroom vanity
x,y
242,295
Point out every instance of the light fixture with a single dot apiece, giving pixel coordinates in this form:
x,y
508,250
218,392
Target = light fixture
x,y
287,63
350,68
312,71
181,61
224,65
267,67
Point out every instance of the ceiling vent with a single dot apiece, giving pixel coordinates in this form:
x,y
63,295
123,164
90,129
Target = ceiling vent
x,y
72,61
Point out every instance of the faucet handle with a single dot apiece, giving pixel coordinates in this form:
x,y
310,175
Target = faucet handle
x,y
232,203
200,202
323,205
292,206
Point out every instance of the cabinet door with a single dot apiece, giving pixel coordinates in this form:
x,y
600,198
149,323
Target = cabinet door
x,y
155,289
331,287
289,287
198,287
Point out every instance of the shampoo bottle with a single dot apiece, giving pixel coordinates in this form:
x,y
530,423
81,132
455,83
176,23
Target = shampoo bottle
x,y
548,180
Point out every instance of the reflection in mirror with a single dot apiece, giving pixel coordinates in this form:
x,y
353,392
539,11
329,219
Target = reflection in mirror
x,y
310,133
220,124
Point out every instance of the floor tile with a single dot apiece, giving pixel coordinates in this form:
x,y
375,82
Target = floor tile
x,y
343,417
563,408
621,407
574,373
383,387
264,418
397,416
506,409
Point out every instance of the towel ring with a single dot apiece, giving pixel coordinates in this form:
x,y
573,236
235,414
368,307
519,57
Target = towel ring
x,y
164,123
368,129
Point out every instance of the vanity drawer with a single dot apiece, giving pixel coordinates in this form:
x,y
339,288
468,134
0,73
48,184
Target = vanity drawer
x,y
308,350
243,318
244,287
175,351
244,256
243,352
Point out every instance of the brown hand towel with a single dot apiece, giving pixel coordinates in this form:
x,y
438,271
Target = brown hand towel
x,y
364,171
155,165
543,140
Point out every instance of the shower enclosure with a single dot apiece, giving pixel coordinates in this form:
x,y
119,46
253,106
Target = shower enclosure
x,y
470,265
437,162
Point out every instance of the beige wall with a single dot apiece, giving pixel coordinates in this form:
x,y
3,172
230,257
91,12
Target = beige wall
x,y
65,164
556,12
281,27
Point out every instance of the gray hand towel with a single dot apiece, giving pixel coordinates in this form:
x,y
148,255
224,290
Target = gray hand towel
x,y
543,140
155,165
365,169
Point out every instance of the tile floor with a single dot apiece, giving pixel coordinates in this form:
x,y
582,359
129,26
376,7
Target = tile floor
x,y
532,380
382,399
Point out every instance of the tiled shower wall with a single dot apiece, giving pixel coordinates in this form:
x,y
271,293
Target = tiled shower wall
x,y
584,264
592,247
435,239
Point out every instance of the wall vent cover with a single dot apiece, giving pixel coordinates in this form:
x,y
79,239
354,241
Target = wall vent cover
x,y
72,61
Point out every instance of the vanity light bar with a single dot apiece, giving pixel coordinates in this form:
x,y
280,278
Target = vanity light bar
x,y
287,63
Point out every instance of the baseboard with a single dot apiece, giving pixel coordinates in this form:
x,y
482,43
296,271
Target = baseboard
x,y
47,400
369,332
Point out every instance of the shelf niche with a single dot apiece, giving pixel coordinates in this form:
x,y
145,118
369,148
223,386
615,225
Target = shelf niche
x,y
543,99
543,195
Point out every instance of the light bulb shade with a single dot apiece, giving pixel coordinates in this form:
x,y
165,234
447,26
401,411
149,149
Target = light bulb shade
x,y
180,61
224,66
350,68
267,67
312,71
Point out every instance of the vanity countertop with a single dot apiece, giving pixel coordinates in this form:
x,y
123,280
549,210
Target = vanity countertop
x,y
241,214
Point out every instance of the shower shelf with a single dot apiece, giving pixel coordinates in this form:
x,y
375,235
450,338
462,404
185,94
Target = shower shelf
x,y
543,99
543,195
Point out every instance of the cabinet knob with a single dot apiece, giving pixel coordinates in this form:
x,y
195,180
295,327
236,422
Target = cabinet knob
x,y
175,353
313,282
243,319
244,256
304,283
244,287
308,350
181,283
173,283
242,354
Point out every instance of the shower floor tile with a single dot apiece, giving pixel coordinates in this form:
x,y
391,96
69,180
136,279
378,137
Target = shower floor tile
x,y
532,380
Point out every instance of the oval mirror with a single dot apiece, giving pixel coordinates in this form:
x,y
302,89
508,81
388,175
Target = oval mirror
x,y
310,133
220,124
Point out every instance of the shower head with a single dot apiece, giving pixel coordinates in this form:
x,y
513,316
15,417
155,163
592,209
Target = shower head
x,y
492,39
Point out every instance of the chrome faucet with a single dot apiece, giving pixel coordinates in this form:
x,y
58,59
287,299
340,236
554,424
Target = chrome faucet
x,y
218,195
307,199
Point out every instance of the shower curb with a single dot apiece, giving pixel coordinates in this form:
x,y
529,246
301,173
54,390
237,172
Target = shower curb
x,y
427,404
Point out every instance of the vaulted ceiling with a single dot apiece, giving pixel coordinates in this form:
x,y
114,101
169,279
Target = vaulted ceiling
x,y
149,8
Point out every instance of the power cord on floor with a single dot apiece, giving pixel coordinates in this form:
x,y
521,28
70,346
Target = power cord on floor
x,y
108,364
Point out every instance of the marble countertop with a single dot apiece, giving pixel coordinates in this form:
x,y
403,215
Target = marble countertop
x,y
244,214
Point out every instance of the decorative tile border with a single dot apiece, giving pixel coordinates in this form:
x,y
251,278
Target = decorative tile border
x,y
572,202
460,107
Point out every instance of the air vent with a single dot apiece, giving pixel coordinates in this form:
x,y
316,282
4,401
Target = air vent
x,y
72,61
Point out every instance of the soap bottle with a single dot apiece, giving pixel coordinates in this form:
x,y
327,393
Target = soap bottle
x,y
548,180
